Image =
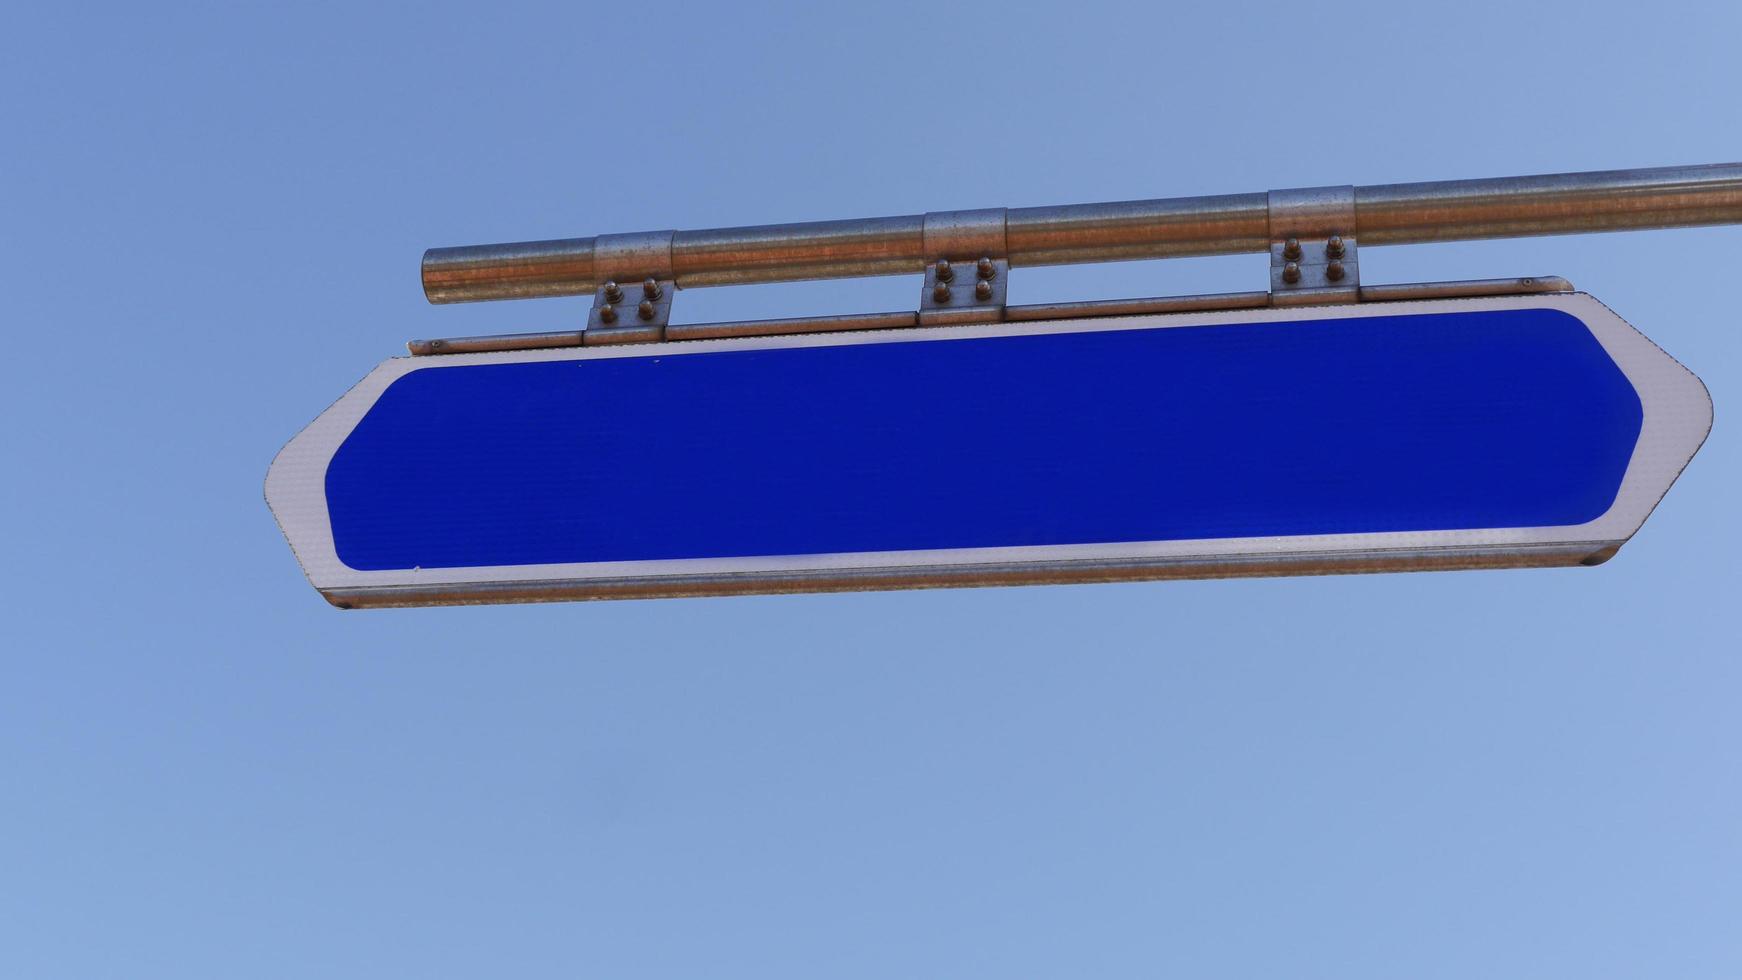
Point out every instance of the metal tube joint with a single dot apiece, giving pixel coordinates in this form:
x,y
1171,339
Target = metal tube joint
x,y
967,272
1312,246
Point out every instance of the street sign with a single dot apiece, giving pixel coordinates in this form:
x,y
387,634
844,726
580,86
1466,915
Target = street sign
x,y
1473,433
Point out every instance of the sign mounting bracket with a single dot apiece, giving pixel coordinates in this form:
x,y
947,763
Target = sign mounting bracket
x,y
631,314
895,320
1313,256
967,273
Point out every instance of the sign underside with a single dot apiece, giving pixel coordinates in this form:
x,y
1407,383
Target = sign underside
x,y
1466,433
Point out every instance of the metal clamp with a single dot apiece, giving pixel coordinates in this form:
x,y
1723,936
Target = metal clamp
x,y
968,275
1313,258
631,314
634,315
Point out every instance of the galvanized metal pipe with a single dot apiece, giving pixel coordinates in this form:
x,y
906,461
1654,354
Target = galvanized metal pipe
x,y
1386,214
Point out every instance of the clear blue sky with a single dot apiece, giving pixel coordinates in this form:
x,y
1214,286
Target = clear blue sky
x,y
210,223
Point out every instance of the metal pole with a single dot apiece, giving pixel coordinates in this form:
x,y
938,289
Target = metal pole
x,y
1385,214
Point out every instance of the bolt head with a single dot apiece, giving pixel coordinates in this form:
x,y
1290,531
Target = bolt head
x,y
1291,273
1334,247
613,292
985,268
607,314
650,289
1334,272
645,310
945,273
982,290
1291,249
940,293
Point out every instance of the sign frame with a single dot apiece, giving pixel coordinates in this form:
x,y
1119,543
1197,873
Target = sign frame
x,y
1676,419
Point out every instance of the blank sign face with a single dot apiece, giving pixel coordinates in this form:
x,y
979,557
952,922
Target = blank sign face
x,y
1508,425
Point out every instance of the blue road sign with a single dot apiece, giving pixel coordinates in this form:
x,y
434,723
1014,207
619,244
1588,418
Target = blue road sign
x,y
1476,433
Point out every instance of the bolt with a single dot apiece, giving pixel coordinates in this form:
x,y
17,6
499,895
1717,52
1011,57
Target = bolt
x,y
1334,247
645,310
1334,272
940,293
1291,273
607,314
613,293
945,273
650,289
982,290
1291,250
985,269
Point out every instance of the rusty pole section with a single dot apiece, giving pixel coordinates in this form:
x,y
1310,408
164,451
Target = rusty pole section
x,y
1385,214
